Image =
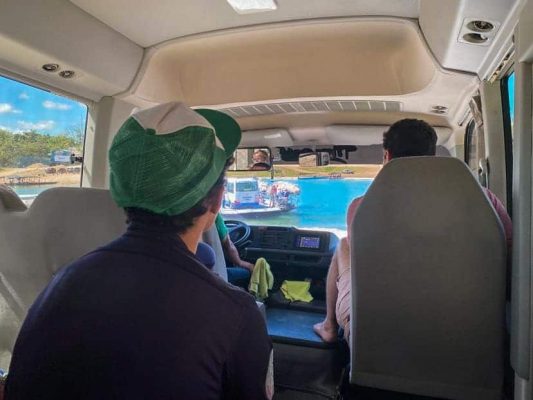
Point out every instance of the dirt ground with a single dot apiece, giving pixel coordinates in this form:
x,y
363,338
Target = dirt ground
x,y
40,171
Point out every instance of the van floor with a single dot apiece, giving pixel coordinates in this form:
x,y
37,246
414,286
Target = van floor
x,y
358,393
300,358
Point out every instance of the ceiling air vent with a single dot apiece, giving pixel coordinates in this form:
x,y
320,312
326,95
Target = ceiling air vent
x,y
313,107
478,31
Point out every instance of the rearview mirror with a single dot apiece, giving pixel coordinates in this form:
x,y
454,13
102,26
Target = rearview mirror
x,y
252,159
313,159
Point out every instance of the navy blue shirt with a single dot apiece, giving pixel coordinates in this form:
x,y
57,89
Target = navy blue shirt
x,y
141,318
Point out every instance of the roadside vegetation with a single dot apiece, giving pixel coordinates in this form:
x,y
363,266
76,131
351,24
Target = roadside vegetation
x,y
20,150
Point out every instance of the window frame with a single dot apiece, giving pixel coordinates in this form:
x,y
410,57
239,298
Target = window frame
x,y
65,95
469,131
508,138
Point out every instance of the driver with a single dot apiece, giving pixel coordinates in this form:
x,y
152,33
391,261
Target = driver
x,y
261,160
240,271
141,317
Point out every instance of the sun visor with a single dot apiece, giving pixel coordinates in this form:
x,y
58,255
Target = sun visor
x,y
364,135
266,137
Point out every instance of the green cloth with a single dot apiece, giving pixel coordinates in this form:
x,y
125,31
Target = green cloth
x,y
165,159
261,280
221,227
297,291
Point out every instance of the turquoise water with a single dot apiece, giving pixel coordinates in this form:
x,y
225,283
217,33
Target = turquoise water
x,y
322,204
26,192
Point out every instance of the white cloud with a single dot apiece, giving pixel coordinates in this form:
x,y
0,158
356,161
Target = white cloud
x,y
52,105
24,96
8,108
5,108
38,126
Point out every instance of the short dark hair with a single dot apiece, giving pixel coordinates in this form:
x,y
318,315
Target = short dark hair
x,y
410,138
180,222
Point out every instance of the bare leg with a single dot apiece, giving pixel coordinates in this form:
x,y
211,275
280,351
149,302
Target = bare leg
x,y
328,329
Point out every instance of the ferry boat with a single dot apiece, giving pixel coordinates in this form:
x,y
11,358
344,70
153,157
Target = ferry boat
x,y
250,196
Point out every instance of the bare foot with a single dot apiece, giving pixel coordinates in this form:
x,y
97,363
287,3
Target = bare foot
x,y
327,331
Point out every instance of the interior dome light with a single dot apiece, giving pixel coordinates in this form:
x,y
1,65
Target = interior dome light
x,y
252,6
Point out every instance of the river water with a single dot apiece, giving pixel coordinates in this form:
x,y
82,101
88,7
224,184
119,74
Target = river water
x,y
322,203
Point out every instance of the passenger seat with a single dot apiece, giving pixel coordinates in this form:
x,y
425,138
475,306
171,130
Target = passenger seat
x,y
61,225
428,283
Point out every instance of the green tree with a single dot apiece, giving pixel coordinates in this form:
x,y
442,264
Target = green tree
x,y
23,149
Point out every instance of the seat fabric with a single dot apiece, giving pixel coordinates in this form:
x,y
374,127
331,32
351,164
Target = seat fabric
x,y
428,260
62,225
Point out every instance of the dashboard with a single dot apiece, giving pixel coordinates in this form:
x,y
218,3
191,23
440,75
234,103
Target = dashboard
x,y
292,246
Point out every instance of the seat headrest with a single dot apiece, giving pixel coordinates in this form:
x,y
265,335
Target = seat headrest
x,y
436,191
10,200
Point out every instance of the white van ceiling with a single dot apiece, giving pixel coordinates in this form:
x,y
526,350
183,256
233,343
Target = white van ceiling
x,y
305,54
148,23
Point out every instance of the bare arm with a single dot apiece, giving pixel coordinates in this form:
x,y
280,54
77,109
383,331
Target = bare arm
x,y
232,254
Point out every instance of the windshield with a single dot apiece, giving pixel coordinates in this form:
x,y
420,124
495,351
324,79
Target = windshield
x,y
303,196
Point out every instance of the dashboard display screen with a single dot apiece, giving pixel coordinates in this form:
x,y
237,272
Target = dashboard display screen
x,y
308,242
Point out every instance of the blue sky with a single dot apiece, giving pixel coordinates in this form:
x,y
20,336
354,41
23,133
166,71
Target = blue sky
x,y
24,107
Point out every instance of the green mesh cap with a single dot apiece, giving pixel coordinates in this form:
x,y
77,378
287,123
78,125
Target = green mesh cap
x,y
165,159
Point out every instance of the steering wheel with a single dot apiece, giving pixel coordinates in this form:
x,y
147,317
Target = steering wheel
x,y
238,231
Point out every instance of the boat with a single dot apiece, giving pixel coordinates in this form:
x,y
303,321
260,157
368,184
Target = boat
x,y
250,196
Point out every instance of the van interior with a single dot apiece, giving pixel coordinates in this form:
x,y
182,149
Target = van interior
x,y
438,312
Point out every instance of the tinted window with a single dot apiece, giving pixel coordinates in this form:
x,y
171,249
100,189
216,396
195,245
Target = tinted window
x,y
247,186
510,97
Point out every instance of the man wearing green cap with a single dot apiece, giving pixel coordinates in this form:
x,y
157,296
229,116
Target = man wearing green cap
x,y
142,318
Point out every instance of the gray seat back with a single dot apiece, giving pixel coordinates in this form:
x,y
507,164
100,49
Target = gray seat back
x,y
211,238
62,225
428,260
9,200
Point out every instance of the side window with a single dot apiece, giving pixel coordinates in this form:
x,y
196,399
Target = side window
x,y
475,150
508,101
41,139
508,107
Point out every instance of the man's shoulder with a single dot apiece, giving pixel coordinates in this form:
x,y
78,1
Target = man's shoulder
x,y
181,265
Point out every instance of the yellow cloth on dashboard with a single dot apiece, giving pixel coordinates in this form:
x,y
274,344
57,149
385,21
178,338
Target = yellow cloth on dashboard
x,y
261,280
297,291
